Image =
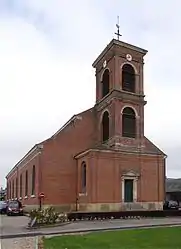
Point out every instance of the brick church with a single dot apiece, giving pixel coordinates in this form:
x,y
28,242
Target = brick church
x,y
100,160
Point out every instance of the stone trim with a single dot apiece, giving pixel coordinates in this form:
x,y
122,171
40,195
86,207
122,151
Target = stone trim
x,y
135,180
98,207
130,175
83,194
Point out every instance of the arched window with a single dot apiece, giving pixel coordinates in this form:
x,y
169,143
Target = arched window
x,y
16,194
128,123
13,194
105,83
105,126
33,181
10,190
128,78
8,194
26,183
83,177
20,186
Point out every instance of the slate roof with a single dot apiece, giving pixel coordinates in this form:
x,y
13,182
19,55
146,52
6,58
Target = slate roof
x,y
173,185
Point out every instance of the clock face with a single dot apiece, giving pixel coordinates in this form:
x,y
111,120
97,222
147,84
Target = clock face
x,y
129,57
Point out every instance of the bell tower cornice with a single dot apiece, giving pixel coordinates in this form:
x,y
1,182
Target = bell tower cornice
x,y
116,47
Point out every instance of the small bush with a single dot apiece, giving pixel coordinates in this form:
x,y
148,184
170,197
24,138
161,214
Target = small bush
x,y
62,217
47,216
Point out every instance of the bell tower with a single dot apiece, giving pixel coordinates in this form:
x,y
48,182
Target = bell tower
x,y
120,95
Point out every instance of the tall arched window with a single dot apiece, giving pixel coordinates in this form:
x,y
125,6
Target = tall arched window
x,y
105,126
83,177
13,194
16,194
128,123
10,190
26,183
105,83
128,78
33,181
20,186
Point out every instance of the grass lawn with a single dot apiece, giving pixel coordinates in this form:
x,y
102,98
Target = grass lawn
x,y
153,238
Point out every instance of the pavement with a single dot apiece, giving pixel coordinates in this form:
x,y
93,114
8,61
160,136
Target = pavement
x,y
16,227
14,233
20,243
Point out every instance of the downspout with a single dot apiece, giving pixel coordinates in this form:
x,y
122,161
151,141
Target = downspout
x,y
39,173
164,168
158,175
17,182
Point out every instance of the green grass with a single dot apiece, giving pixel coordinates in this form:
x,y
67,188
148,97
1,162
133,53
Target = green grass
x,y
154,238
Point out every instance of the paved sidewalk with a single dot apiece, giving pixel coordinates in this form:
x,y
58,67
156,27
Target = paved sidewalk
x,y
19,243
86,226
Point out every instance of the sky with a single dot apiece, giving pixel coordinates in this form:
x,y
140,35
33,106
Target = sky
x,y
46,75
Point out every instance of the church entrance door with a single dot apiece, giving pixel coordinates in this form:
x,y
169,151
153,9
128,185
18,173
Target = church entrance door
x,y
128,190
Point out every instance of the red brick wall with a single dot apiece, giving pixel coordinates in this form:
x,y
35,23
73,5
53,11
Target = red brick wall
x,y
59,168
104,172
26,165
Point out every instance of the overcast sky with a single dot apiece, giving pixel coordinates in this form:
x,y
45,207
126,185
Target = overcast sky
x,y
46,51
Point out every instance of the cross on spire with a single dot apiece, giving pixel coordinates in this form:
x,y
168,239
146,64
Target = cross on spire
x,y
117,26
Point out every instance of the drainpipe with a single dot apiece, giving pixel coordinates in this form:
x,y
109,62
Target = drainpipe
x,y
164,167
17,182
158,177
39,188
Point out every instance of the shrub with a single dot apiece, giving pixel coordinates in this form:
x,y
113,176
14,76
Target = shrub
x,y
47,216
62,217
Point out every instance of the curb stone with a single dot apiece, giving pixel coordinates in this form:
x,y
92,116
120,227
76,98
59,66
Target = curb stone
x,y
48,226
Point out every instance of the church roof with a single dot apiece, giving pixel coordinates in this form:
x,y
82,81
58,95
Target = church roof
x,y
152,148
39,146
148,149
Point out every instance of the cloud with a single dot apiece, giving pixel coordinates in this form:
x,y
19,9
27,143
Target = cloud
x,y
47,48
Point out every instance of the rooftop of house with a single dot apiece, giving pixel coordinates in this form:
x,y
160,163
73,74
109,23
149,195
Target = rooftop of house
x,y
173,185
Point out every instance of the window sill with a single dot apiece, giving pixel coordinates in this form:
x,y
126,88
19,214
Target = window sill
x,y
20,198
26,197
33,196
83,194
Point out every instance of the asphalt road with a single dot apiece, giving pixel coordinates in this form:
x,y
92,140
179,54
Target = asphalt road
x,y
16,226
13,225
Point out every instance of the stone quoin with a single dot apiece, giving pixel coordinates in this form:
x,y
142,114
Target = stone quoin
x,y
100,160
